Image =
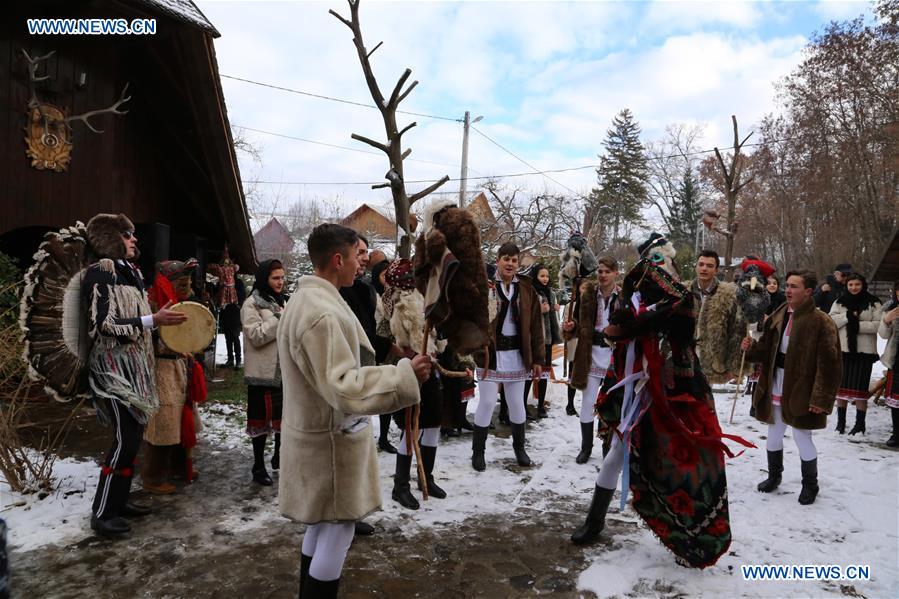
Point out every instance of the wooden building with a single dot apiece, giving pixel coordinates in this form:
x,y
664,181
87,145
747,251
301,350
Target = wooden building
x,y
168,164
370,222
273,240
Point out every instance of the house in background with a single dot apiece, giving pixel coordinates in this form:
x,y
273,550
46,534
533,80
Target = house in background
x,y
371,222
168,164
273,240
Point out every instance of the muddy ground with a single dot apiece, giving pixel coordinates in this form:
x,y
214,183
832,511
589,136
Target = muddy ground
x,y
222,537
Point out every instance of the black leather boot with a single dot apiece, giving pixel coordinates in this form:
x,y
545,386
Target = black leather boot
x,y
305,562
893,441
809,482
402,494
541,399
586,443
428,457
859,426
276,457
775,470
596,517
320,589
478,444
841,420
518,444
569,408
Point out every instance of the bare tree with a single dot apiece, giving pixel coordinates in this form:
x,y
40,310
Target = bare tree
x,y
393,148
667,160
732,186
539,223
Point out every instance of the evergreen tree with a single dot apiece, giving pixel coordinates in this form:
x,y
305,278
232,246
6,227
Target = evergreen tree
x,y
685,211
617,201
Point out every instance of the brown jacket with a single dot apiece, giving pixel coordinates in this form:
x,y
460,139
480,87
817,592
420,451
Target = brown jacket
x,y
813,367
530,326
585,323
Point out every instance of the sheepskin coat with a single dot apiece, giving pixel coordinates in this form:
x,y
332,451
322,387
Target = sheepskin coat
x,y
813,367
329,469
868,323
890,332
260,319
719,330
585,324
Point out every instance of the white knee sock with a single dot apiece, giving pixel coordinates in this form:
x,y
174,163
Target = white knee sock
x,y
332,542
611,465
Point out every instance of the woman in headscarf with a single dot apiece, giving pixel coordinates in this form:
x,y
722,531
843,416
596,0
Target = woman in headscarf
x,y
260,316
889,330
552,334
857,315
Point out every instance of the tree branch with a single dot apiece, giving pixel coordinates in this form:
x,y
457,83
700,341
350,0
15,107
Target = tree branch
x,y
406,93
406,128
371,142
429,189
341,19
394,97
372,51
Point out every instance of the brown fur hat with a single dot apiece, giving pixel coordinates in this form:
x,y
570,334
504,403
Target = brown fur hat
x,y
104,234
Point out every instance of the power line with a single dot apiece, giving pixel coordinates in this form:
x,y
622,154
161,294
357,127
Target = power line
x,y
340,100
339,147
520,159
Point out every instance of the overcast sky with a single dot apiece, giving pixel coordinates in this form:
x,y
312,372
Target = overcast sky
x,y
547,77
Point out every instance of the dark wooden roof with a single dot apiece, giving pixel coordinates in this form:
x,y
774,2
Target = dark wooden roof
x,y
888,268
182,10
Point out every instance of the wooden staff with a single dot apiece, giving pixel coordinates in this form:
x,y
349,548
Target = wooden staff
x,y
739,380
412,429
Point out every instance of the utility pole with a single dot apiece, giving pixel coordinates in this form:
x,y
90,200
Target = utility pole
x,y
463,178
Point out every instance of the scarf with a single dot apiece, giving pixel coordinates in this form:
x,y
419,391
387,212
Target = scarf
x,y
399,277
263,271
376,271
855,304
543,290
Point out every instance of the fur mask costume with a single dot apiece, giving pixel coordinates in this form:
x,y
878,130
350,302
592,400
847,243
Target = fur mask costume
x,y
404,307
104,234
660,252
752,295
578,261
450,274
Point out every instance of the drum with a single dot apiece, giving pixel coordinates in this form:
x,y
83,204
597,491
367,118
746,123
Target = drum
x,y
193,335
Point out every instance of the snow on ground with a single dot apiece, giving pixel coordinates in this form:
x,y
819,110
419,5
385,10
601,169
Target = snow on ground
x,y
853,522
34,521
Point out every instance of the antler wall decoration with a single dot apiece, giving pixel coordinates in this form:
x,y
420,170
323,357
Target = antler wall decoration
x,y
48,131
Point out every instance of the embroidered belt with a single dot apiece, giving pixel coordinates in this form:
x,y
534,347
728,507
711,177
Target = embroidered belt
x,y
504,343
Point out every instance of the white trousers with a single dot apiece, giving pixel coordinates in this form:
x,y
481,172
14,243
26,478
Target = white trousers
x,y
488,392
327,543
611,465
802,437
588,398
428,437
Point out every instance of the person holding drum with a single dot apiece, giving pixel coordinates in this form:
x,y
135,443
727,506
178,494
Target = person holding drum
x,y
260,315
171,431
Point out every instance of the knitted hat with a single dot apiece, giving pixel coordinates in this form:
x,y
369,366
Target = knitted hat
x,y
844,268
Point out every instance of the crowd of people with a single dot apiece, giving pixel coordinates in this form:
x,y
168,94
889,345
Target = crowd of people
x,y
642,347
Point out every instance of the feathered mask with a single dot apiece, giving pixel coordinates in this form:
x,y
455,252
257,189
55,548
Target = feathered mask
x,y
752,295
578,261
